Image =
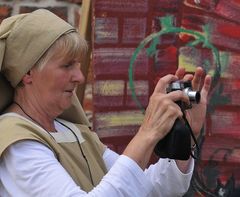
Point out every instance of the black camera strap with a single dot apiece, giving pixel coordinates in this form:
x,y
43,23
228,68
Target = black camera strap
x,y
193,137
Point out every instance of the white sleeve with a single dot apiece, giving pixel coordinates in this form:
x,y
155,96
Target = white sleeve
x,y
29,168
109,157
167,179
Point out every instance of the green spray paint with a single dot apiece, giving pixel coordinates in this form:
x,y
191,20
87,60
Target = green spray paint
x,y
167,27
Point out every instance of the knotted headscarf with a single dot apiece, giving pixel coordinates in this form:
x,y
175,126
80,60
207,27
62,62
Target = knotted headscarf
x,y
24,38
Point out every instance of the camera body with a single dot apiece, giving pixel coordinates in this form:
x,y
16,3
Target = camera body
x,y
186,87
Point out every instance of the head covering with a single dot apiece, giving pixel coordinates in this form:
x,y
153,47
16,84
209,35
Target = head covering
x,y
24,38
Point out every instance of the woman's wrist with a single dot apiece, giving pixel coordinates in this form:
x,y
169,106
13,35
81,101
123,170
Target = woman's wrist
x,y
140,148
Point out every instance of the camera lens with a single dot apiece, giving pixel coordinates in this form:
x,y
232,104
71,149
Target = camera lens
x,y
194,96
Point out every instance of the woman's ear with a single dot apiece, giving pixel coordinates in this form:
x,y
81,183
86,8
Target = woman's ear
x,y
27,78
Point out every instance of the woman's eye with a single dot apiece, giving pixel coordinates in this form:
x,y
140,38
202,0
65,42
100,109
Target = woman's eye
x,y
67,65
70,64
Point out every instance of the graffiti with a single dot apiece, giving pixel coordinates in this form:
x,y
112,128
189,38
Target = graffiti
x,y
153,39
207,182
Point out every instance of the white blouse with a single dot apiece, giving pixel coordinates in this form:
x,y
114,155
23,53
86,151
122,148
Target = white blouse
x,y
30,169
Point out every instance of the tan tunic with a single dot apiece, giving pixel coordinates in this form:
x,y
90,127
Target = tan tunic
x,y
72,155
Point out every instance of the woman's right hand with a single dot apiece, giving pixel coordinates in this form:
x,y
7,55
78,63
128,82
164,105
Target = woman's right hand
x,y
161,113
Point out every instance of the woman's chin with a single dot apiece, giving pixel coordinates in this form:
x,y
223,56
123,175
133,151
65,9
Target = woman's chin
x,y
66,104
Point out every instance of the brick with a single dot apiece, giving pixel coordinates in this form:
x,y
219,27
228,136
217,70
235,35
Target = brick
x,y
123,118
108,93
217,148
224,122
142,92
165,6
116,61
116,131
106,30
109,88
231,92
134,30
140,6
117,123
226,35
141,88
228,29
107,102
232,65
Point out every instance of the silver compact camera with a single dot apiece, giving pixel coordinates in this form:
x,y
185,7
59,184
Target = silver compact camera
x,y
186,87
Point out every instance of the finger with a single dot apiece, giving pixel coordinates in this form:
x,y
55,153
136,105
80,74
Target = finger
x,y
163,83
206,86
178,96
196,82
188,77
180,73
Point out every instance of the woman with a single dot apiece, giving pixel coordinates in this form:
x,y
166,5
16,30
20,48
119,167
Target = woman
x,y
46,147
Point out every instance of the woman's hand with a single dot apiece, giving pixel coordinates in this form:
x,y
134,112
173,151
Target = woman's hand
x,y
161,113
196,115
162,110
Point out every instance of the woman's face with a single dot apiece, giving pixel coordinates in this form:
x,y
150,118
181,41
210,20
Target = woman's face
x,y
55,83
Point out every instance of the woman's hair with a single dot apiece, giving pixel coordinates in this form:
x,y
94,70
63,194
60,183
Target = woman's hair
x,y
70,45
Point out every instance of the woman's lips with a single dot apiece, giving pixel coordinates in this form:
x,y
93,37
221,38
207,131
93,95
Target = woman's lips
x,y
70,92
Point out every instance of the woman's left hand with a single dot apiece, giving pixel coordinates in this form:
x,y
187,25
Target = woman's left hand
x,y
196,115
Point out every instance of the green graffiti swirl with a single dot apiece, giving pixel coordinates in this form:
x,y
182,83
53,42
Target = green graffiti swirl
x,y
167,27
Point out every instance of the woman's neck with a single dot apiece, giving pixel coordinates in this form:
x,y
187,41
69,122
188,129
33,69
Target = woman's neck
x,y
34,114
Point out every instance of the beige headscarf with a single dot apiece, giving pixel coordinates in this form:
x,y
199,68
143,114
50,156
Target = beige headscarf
x,y
24,38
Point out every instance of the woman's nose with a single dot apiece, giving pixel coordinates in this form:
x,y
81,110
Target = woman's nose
x,y
78,75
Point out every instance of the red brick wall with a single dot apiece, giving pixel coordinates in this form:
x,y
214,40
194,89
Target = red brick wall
x,y
119,27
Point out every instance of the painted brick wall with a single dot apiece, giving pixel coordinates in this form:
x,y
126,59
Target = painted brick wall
x,y
119,27
219,164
